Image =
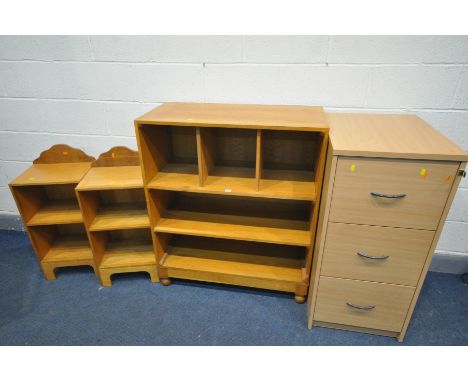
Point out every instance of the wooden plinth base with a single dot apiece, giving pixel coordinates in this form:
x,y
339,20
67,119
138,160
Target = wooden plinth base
x,y
48,268
105,274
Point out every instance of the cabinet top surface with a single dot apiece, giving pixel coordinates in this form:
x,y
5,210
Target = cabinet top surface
x,y
57,173
232,115
110,178
389,136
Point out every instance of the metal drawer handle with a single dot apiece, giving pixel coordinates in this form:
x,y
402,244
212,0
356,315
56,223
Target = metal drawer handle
x,y
372,257
397,196
368,307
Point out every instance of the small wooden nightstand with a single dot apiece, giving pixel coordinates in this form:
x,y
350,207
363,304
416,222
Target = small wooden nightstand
x,y
46,200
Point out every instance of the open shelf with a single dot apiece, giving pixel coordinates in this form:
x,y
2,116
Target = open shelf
x,y
288,163
128,254
226,155
177,177
57,212
48,204
118,249
121,216
271,221
276,184
171,152
68,249
241,263
62,243
114,209
242,162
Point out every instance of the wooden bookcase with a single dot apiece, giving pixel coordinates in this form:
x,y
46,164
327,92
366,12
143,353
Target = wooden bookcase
x,y
113,205
233,190
45,197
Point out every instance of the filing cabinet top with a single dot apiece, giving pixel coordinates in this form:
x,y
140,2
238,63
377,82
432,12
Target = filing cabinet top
x,y
284,117
389,136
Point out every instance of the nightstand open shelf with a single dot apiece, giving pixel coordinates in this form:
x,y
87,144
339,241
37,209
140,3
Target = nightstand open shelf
x,y
229,174
62,243
113,204
45,196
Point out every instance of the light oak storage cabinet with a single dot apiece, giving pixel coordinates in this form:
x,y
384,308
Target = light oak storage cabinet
x,y
233,191
113,205
389,184
45,197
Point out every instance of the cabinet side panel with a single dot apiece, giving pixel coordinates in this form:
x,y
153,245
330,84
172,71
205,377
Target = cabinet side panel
x,y
319,244
438,232
154,148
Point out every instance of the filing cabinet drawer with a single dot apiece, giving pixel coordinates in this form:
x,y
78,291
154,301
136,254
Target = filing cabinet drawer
x,y
372,253
362,303
391,192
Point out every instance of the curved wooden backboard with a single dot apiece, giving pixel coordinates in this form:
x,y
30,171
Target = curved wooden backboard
x,y
62,154
117,156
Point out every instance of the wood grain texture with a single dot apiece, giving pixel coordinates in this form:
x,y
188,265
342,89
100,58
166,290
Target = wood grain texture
x,y
61,246
117,156
240,261
128,255
391,303
259,158
319,170
358,329
234,227
390,136
111,178
290,150
46,199
57,212
258,265
309,118
71,248
422,206
406,249
322,225
233,181
120,216
62,154
60,173
229,165
425,269
105,274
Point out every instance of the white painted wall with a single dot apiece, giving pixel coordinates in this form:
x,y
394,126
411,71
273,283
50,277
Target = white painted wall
x,y
86,90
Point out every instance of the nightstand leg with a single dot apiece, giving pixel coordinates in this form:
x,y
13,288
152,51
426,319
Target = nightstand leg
x,y
154,276
105,279
48,271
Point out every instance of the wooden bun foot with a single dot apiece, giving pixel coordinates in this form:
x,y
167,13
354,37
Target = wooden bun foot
x,y
299,299
166,282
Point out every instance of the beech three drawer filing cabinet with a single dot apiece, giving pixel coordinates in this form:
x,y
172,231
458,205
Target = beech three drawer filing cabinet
x,y
388,187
